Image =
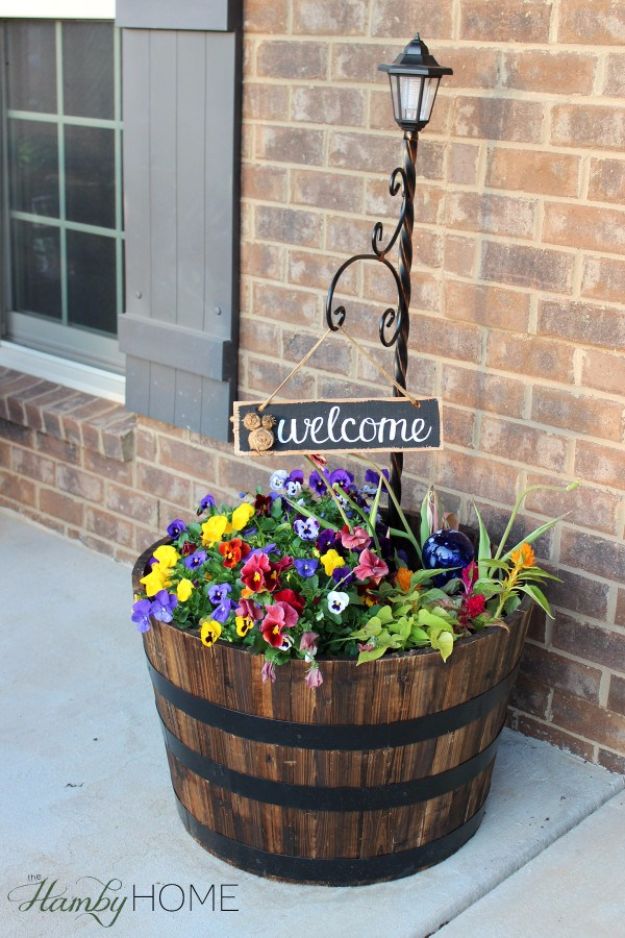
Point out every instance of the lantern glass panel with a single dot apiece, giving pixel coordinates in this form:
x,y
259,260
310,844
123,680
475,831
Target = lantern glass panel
x,y
394,83
429,96
409,93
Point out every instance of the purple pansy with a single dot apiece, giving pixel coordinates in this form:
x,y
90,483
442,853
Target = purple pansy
x,y
306,528
175,528
141,614
267,549
293,483
341,477
326,540
316,483
223,610
195,560
207,502
306,566
218,592
163,606
342,575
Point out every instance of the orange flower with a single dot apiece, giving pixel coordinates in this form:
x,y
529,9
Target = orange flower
x,y
402,578
524,556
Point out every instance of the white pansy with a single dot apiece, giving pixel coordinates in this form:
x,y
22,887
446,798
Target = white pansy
x,y
277,480
337,601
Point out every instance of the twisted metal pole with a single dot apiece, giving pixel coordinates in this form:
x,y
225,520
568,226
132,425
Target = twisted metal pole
x,y
405,263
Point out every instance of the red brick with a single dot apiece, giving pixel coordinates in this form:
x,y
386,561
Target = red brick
x,y
264,375
459,257
594,555
52,416
422,372
358,62
601,22
498,119
426,290
505,20
326,190
16,433
527,266
462,163
290,226
586,125
36,406
110,527
26,462
584,226
586,505
118,438
288,58
17,489
267,183
557,671
473,388
320,105
619,616
129,502
256,335
265,102
263,17
530,355
79,483
607,180
551,72
602,464
158,483
287,304
330,387
430,162
190,460
530,696
459,426
583,323
333,17
61,506
366,152
428,202
590,642
58,449
289,144
603,279
13,406
577,412
112,469
554,736
317,270
616,696
580,594
263,260
447,339
532,171
334,355
486,305
497,519
472,68
390,18
477,475
611,761
494,214
587,719
84,419
615,80
529,446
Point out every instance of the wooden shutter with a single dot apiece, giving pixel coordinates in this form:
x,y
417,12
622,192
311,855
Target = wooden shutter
x,y
181,75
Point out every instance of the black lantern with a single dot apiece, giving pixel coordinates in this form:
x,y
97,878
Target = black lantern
x,y
414,77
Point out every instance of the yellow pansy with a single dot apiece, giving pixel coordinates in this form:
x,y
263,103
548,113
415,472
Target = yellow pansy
x,y
209,631
243,624
241,516
166,555
214,529
331,560
184,590
156,580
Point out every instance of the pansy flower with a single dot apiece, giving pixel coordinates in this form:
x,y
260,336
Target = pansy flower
x,y
141,614
184,589
209,631
316,483
306,566
233,551
277,480
372,480
331,560
241,516
341,478
326,540
218,592
255,572
308,643
175,528
296,600
337,602
163,606
223,610
262,504
214,529
293,483
243,625
355,539
343,575
195,560
306,528
207,501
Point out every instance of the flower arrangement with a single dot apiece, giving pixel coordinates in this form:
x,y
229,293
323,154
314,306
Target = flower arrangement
x,y
311,569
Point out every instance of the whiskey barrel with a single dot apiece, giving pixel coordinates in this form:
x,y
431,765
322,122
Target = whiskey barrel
x,y
380,772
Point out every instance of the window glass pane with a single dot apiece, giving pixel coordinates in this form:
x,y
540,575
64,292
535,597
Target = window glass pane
x,y
34,167
88,70
91,281
36,269
31,71
90,175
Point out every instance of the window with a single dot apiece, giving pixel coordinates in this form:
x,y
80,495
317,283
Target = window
x,y
63,195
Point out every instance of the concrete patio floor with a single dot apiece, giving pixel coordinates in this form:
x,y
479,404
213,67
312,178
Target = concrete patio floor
x,y
87,799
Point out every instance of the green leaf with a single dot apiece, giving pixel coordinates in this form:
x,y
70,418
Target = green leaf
x,y
424,530
484,550
538,532
444,643
538,596
377,652
385,615
431,619
419,636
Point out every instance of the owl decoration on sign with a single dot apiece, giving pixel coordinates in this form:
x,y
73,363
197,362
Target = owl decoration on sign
x,y
260,438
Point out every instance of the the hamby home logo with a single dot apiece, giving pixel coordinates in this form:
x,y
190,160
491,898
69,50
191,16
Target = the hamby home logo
x,y
104,901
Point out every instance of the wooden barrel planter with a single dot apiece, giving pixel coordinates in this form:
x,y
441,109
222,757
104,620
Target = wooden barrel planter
x,y
380,772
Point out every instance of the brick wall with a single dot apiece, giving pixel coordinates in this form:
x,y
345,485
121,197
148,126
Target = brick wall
x,y
517,323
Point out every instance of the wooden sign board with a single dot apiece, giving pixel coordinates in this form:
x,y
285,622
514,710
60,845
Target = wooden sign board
x,y
385,424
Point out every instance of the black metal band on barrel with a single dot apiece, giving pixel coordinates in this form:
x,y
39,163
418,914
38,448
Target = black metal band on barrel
x,y
330,871
343,798
346,736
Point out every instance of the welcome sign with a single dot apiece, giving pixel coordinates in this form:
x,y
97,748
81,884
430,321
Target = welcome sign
x,y
386,424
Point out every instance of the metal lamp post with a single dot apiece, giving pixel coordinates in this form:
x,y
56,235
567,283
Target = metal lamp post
x,y
414,78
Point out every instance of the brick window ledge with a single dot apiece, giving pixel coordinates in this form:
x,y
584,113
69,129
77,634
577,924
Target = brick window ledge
x,y
74,417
